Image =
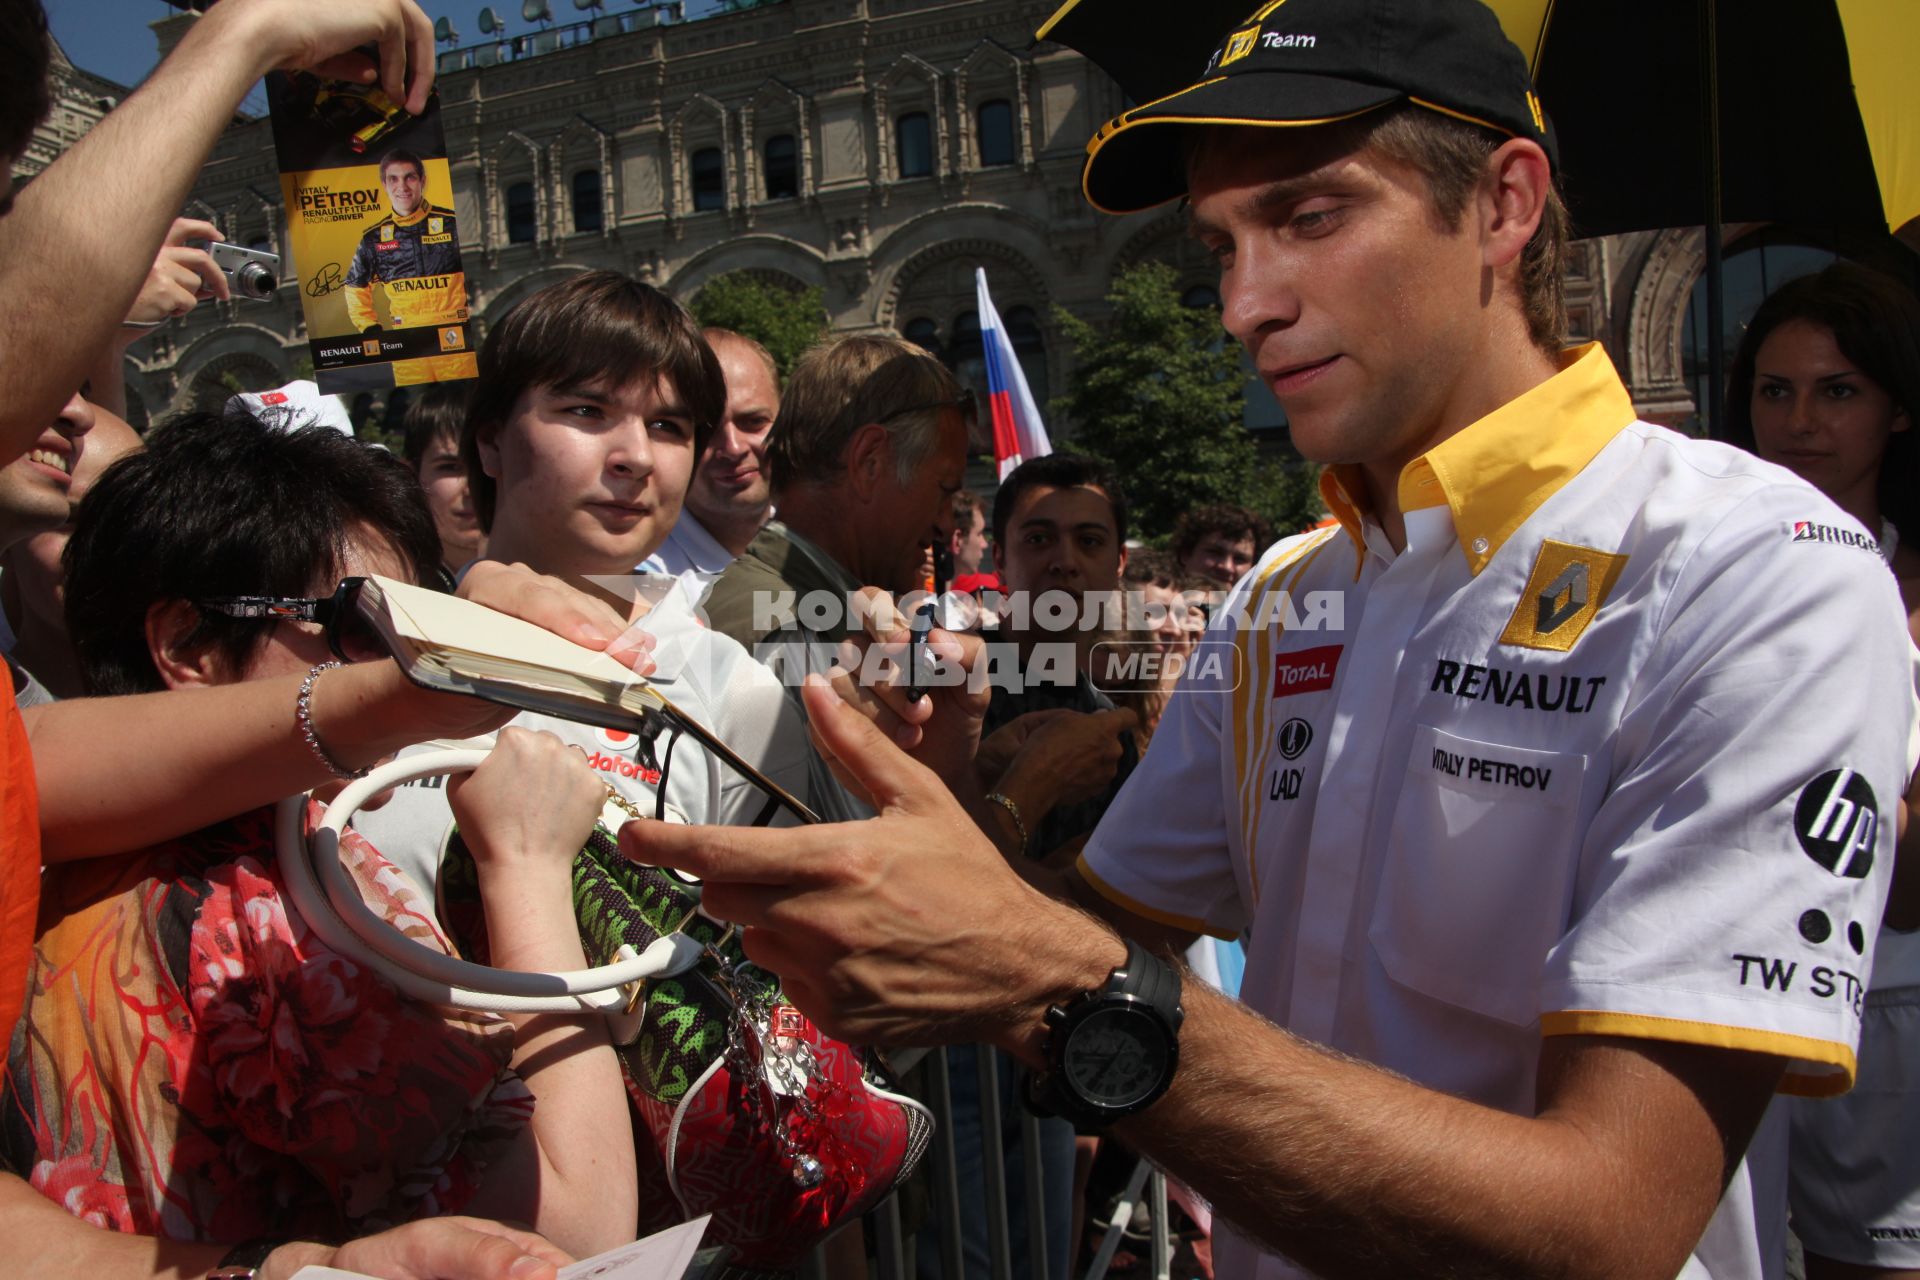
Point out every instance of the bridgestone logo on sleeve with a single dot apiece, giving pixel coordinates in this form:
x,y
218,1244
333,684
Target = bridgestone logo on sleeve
x,y
1837,820
1807,531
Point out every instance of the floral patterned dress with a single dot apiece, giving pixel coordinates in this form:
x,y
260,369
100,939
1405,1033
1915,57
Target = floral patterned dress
x,y
193,1063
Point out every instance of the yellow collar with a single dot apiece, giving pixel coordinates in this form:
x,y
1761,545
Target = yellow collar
x,y
1496,472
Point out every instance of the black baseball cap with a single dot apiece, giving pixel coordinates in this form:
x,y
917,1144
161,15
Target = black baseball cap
x,y
1308,62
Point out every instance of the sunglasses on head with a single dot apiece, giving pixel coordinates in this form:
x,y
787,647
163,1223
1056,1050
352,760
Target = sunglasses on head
x,y
350,635
965,402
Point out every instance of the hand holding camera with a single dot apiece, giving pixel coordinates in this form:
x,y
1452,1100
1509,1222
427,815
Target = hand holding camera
x,y
193,265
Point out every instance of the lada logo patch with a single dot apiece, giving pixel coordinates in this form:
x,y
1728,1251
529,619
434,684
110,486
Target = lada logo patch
x,y
1568,586
1305,670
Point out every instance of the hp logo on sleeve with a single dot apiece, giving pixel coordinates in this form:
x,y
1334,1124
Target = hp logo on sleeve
x,y
1837,821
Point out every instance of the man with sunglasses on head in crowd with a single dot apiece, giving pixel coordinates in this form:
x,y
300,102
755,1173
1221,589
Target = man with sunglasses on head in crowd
x,y
870,448
594,398
1560,842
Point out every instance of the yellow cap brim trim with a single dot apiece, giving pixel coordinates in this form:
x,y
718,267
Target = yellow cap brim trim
x,y
1120,124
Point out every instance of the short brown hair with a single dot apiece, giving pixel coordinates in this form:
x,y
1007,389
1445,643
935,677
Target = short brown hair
x,y
966,505
1452,156
1231,523
840,386
599,328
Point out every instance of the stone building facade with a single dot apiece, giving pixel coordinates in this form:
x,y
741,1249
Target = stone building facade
x,y
876,149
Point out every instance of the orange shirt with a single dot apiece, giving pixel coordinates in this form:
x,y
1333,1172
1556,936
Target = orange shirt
x,y
19,858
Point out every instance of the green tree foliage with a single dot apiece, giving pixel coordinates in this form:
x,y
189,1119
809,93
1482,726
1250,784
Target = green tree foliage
x,y
1159,392
785,321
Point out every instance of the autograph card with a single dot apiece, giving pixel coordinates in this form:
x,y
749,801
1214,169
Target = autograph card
x,y
665,1255
369,199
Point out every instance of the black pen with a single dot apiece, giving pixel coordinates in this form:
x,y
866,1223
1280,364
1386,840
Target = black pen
x,y
918,629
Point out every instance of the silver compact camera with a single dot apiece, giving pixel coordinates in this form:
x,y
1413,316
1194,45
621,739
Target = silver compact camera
x,y
250,273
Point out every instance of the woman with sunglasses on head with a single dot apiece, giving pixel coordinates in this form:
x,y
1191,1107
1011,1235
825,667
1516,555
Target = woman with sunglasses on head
x,y
193,1063
1827,384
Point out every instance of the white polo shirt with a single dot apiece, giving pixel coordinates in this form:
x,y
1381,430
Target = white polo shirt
x,y
690,554
1612,747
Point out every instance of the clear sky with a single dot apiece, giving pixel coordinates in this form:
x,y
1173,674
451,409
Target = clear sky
x,y
110,37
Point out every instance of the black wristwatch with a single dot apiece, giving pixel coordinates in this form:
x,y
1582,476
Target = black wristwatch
x,y
1112,1051
243,1261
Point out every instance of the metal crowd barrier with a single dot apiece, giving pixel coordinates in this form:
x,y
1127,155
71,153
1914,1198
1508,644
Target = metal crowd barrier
x,y
896,1251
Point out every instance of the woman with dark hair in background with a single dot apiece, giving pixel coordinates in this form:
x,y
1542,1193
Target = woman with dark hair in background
x,y
1827,384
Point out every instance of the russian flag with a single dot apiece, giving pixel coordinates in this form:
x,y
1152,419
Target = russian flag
x,y
1018,432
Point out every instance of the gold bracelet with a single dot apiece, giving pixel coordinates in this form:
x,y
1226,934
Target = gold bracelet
x,y
1013,811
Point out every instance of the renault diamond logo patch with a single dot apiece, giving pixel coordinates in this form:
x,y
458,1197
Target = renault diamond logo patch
x,y
1568,586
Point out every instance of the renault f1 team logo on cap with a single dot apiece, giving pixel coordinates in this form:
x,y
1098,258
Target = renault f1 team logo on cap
x,y
1239,45
1568,586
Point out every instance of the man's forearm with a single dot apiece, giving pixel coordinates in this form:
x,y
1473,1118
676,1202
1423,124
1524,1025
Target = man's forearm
x,y
1356,1172
85,232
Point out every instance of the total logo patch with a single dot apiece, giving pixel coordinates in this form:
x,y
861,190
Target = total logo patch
x,y
1305,670
1837,820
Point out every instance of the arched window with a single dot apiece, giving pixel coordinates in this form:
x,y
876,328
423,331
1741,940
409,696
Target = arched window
x,y
709,174
966,355
782,170
520,226
1749,276
996,132
923,332
913,137
586,201
1030,345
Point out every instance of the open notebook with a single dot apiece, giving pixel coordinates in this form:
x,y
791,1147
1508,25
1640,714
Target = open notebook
x,y
457,646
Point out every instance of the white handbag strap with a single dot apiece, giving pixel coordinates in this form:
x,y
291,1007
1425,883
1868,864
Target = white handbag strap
x,y
320,889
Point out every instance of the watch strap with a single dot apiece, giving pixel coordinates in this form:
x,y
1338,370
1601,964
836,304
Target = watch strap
x,y
244,1260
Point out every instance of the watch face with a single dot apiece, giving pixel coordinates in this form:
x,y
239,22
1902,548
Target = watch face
x,y
1116,1056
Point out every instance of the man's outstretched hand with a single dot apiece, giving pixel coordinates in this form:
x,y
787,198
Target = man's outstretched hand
x,y
905,929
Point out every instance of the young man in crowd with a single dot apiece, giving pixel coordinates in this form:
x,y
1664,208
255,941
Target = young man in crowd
x,y
432,449
969,519
1559,846
36,497
730,497
870,448
595,396
1219,543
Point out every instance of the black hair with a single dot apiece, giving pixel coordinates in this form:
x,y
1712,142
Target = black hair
x,y
26,53
226,505
440,410
1059,471
1875,321
598,328
1230,522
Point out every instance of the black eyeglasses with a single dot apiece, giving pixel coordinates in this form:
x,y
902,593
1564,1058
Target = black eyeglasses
x,y
965,402
350,635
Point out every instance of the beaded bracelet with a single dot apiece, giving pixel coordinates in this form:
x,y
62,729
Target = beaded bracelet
x,y
303,712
